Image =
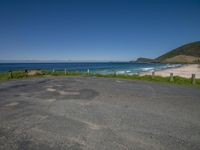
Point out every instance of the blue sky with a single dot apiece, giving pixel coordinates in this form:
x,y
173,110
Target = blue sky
x,y
95,30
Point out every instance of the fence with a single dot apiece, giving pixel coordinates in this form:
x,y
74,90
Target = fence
x,y
27,73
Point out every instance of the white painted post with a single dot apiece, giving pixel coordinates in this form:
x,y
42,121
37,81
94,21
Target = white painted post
x,y
88,71
53,70
65,71
126,73
193,79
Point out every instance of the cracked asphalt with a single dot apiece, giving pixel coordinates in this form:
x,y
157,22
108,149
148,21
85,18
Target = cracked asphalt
x,y
91,113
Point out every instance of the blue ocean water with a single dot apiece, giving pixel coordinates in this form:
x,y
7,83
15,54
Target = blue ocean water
x,y
94,67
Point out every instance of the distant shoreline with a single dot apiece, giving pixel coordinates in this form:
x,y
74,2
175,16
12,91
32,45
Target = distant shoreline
x,y
164,70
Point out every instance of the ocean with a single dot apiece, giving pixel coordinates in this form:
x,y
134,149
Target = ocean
x,y
94,67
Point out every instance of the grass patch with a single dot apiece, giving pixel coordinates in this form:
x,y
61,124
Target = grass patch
x,y
44,73
4,76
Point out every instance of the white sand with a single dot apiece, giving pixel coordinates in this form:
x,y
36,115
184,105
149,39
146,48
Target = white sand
x,y
183,71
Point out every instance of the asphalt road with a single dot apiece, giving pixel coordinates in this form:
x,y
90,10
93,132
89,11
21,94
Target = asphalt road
x,y
90,113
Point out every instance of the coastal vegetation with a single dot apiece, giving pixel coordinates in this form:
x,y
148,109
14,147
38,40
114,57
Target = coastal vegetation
x,y
47,73
188,53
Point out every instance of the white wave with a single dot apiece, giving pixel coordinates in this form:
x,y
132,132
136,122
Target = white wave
x,y
147,69
171,66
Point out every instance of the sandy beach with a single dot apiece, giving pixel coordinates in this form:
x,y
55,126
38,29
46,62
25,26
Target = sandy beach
x,y
185,71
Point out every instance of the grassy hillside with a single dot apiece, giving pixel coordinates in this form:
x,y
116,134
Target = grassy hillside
x,y
182,59
191,49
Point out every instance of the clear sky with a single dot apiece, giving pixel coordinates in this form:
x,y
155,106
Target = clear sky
x,y
95,30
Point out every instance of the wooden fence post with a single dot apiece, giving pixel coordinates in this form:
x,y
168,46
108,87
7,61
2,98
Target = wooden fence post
x,y
26,73
153,74
171,77
193,79
10,74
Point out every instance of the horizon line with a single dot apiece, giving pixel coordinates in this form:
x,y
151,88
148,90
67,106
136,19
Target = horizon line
x,y
60,61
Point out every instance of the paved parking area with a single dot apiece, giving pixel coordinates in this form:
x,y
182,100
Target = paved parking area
x,y
90,113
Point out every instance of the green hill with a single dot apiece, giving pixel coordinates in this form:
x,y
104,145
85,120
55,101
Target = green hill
x,y
144,60
181,54
188,53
